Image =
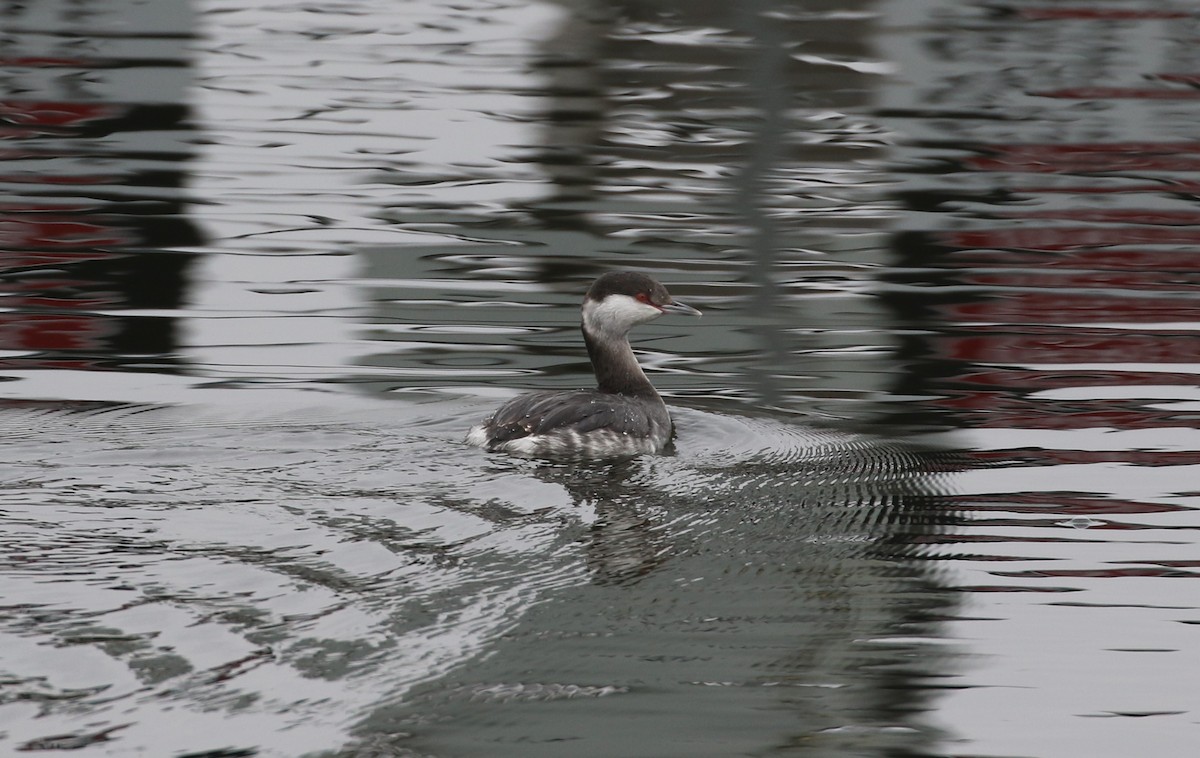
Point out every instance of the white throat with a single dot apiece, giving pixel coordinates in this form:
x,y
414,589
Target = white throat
x,y
615,315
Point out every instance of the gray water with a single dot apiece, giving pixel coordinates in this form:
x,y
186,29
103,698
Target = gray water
x,y
933,488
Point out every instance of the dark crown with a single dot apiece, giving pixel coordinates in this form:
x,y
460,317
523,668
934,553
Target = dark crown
x,y
629,283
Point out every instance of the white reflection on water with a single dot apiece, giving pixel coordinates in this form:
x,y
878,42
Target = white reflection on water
x,y
206,576
370,178
198,568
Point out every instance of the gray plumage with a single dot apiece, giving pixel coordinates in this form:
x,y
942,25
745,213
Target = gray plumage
x,y
624,414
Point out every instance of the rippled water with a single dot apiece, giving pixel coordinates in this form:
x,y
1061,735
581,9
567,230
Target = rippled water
x,y
933,488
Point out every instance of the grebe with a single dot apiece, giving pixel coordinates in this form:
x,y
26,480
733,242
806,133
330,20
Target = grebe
x,y
624,415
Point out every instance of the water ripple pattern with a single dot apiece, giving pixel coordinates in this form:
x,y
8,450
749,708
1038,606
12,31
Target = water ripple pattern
x,y
1056,251
279,572
932,491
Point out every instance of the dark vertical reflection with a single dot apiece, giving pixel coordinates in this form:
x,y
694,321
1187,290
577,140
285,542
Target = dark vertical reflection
x,y
767,599
775,605
766,75
96,136
572,129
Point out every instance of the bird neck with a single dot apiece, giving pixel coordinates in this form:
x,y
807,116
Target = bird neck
x,y
616,368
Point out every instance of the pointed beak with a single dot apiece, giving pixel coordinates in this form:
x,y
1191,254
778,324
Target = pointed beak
x,y
680,308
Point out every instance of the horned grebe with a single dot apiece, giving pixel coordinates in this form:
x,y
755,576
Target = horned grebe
x,y
624,414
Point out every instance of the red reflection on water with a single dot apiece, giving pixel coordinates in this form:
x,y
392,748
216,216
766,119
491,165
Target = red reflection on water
x,y
1088,157
57,113
1043,456
1071,347
19,259
59,231
65,259
1064,504
1146,262
58,179
1174,564
1056,307
1040,380
33,61
1005,398
1005,410
1176,187
1052,239
1120,93
1124,280
54,332
1117,216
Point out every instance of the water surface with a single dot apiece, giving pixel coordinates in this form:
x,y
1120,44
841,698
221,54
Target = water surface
x,y
932,492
